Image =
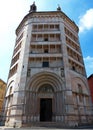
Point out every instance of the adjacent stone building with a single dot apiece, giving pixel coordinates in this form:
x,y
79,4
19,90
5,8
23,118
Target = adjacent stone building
x,y
47,79
2,95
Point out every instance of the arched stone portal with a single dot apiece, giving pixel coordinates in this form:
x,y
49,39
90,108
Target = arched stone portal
x,y
46,93
44,98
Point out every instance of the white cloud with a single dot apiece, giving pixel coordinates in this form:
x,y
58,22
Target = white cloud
x,y
86,21
88,58
89,65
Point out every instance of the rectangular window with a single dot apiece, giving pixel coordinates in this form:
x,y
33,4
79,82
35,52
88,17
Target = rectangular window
x,y
46,51
45,64
45,39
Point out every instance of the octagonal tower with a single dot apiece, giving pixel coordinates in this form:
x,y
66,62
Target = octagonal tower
x,y
47,80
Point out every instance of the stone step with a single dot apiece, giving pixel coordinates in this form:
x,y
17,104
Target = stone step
x,y
45,124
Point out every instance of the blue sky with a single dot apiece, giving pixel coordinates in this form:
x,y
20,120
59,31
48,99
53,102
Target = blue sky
x,y
13,11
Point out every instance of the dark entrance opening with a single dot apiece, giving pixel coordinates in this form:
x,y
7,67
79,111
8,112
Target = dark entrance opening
x,y
45,109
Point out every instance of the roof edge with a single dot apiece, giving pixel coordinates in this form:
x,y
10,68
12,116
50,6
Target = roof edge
x,y
41,12
3,81
90,76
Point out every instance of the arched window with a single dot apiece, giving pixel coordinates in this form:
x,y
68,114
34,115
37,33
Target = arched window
x,y
46,89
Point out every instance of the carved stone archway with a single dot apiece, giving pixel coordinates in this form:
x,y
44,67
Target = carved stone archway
x,y
48,87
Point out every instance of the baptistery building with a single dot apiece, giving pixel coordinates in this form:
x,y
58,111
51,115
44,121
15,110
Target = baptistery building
x,y
47,80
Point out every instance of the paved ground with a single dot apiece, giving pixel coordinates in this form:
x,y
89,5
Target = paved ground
x,y
32,128
46,128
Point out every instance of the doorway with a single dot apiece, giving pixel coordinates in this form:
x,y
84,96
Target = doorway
x,y
45,109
